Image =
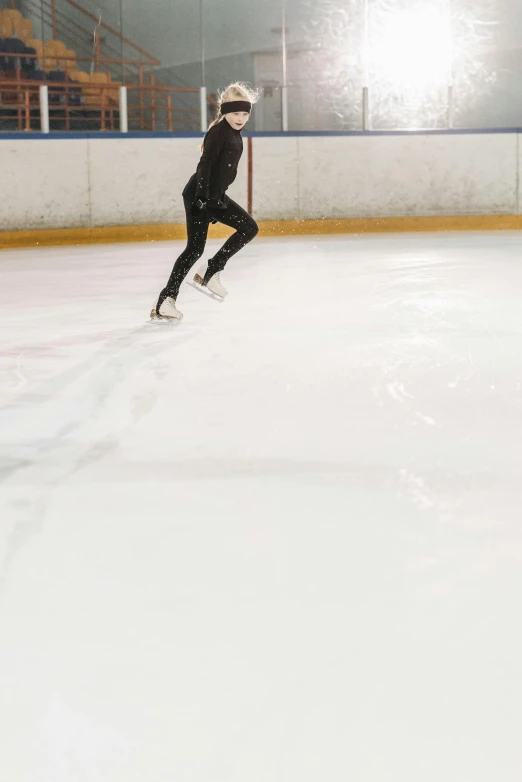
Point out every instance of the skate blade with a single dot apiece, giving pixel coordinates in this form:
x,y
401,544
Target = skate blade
x,y
203,289
163,319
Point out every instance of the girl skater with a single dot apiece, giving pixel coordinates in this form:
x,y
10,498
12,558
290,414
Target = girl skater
x,y
206,201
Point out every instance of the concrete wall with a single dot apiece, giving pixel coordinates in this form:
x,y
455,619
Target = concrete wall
x,y
87,182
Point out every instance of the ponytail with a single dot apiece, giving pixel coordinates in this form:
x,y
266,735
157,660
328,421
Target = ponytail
x,y
218,119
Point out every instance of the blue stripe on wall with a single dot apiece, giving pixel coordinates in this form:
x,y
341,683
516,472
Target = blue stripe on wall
x,y
262,134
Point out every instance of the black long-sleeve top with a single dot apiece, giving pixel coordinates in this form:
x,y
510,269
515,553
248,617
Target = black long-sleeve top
x,y
217,169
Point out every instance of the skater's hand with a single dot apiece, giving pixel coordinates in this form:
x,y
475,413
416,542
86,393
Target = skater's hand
x,y
199,208
200,200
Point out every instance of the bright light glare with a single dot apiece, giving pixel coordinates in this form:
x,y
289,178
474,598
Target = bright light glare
x,y
414,49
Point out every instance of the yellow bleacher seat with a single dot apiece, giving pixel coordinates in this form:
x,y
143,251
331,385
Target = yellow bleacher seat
x,y
80,76
50,55
23,29
58,47
10,18
68,61
6,26
93,95
112,94
12,13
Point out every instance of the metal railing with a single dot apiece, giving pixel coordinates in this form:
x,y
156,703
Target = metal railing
x,y
150,106
68,109
59,107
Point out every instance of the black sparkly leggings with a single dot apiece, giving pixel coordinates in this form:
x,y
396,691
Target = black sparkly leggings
x,y
197,229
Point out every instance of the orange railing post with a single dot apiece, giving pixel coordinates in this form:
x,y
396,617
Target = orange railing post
x,y
152,103
169,111
154,98
97,53
27,111
67,110
141,96
142,117
53,15
19,95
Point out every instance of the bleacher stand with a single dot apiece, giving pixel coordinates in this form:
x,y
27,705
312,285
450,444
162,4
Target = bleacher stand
x,y
12,46
25,58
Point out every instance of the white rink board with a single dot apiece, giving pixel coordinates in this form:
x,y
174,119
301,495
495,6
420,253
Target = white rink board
x,y
141,184
393,176
44,185
276,178
125,181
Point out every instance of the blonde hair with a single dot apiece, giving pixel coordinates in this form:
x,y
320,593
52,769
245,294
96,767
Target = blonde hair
x,y
239,90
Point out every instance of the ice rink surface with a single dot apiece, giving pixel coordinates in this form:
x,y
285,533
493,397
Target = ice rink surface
x,y
281,542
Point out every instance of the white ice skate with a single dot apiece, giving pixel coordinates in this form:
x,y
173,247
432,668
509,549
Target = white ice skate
x,y
214,287
167,311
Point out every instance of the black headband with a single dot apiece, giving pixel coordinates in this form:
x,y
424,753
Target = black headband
x,y
236,105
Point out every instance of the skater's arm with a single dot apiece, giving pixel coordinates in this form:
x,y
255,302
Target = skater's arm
x,y
213,146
